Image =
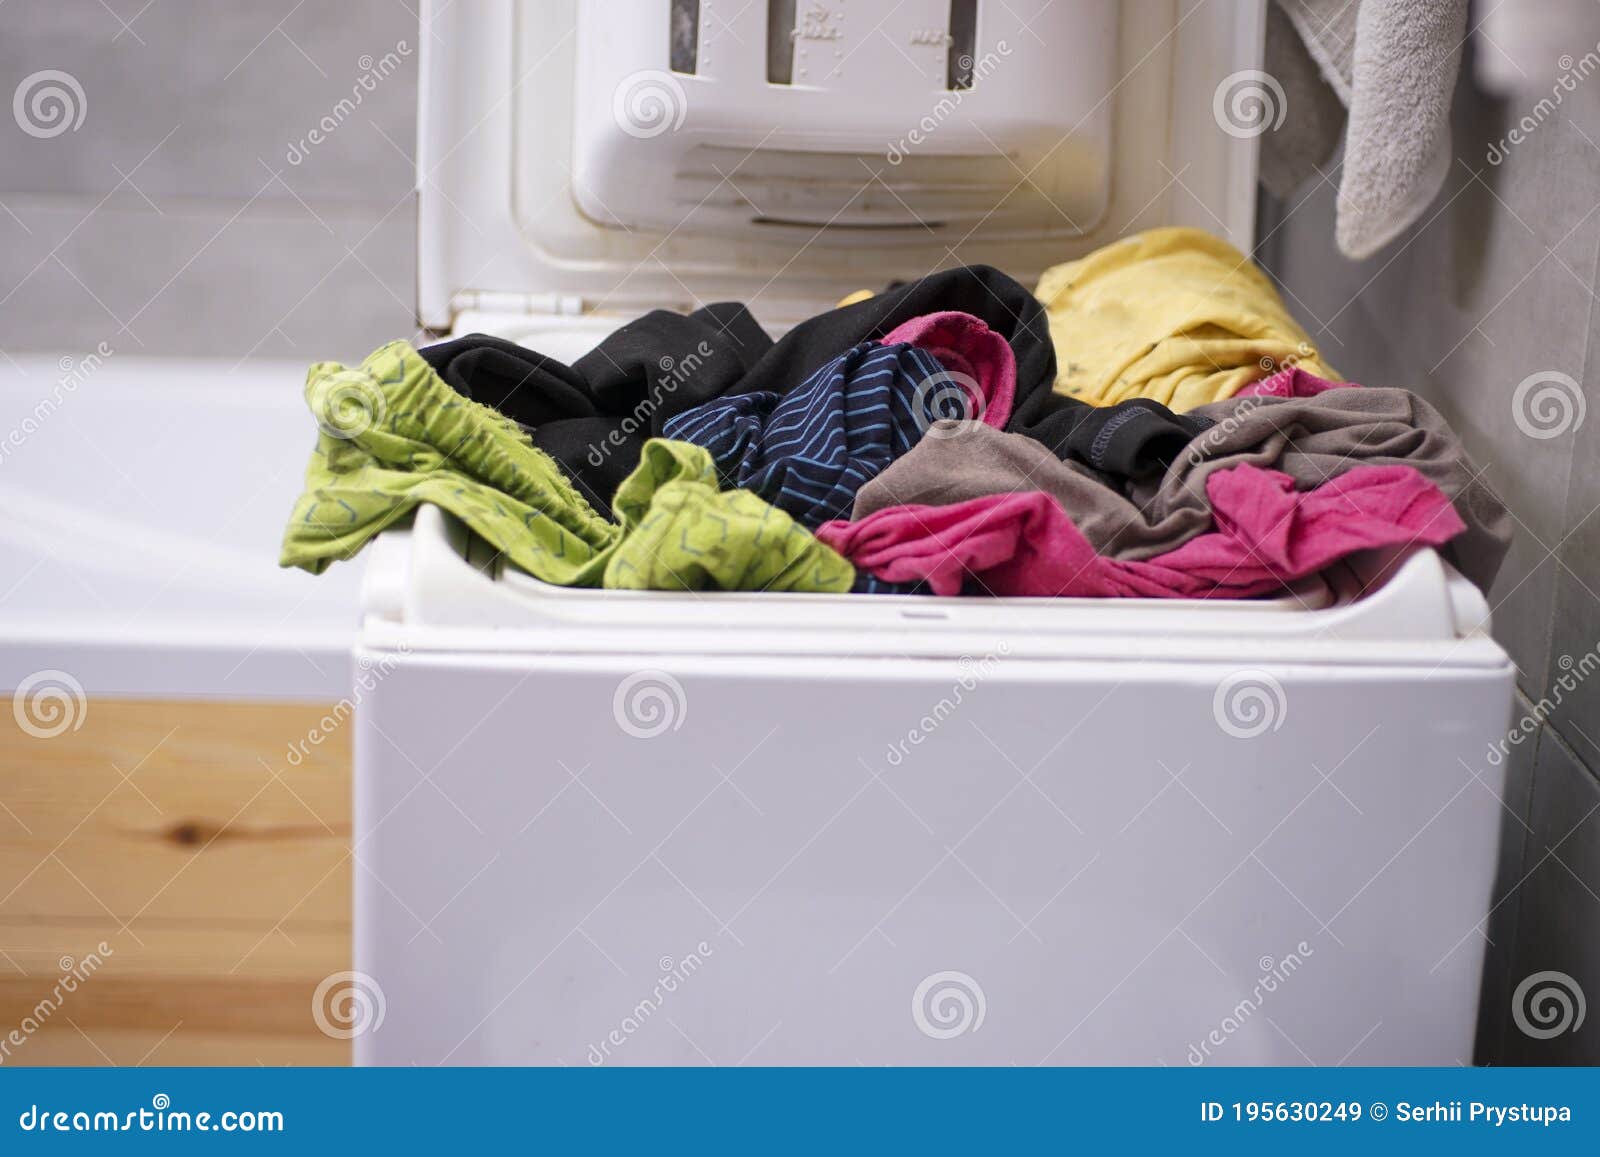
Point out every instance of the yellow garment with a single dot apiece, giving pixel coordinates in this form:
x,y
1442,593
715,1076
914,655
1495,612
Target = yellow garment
x,y
1174,315
853,298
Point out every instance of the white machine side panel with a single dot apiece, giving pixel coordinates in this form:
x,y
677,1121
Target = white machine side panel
x,y
1109,860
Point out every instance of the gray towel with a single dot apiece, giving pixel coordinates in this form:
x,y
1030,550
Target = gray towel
x,y
1393,65
1314,123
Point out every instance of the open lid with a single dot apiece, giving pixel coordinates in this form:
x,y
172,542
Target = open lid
x,y
580,156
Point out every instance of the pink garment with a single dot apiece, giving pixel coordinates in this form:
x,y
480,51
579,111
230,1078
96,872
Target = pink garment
x,y
1268,534
965,345
1292,382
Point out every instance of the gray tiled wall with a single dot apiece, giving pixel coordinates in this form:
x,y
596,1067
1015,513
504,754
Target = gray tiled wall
x,y
1495,284
185,214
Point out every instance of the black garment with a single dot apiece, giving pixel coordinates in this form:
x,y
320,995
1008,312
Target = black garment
x,y
672,361
625,388
1136,438
525,386
1129,440
594,416
1002,303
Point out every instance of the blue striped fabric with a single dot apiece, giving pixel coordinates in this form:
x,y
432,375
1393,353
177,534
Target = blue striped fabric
x,y
809,450
868,583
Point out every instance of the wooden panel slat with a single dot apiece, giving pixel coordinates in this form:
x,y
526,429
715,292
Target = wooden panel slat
x,y
205,872
185,810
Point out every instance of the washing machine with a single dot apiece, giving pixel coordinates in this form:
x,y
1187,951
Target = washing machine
x,y
648,828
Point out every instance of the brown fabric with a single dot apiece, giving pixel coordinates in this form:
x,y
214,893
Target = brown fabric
x,y
1311,439
1314,439
957,461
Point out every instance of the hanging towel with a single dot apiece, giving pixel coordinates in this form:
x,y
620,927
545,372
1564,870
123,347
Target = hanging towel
x,y
1393,65
1312,115
1174,315
394,435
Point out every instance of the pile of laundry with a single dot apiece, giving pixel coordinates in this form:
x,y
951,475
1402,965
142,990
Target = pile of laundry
x,y
1153,423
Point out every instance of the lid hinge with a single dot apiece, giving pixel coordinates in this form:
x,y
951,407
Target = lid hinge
x,y
537,304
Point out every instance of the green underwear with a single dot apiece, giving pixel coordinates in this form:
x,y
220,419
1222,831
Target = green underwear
x,y
393,435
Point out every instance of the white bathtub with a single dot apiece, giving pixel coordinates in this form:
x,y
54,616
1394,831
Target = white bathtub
x,y
141,506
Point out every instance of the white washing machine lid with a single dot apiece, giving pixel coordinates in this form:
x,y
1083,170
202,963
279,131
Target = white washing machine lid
x,y
501,230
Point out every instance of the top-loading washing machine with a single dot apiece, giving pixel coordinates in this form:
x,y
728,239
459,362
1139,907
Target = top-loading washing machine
x,y
602,827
